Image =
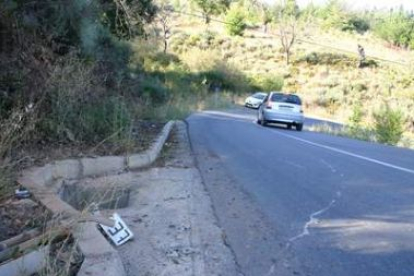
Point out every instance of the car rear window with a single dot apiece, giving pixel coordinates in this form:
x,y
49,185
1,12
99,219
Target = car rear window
x,y
259,96
286,98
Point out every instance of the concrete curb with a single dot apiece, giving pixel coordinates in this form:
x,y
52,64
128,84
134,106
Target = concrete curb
x,y
44,183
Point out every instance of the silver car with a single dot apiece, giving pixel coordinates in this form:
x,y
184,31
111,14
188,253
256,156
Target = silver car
x,y
255,100
281,108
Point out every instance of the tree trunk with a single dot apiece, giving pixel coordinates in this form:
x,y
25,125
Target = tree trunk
x,y
287,57
165,45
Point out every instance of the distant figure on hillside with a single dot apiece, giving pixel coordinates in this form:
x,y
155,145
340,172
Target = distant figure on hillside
x,y
361,53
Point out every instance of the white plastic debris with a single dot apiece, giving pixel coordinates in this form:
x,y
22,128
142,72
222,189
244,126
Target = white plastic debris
x,y
22,193
120,233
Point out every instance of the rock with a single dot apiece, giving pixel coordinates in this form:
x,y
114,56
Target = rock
x,y
26,203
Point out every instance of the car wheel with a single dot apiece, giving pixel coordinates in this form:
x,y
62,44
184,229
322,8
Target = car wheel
x,y
289,126
299,127
261,120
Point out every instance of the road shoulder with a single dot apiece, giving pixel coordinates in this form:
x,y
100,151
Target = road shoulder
x,y
170,212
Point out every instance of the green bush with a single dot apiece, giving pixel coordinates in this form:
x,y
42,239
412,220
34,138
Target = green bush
x,y
224,78
389,125
235,19
356,24
315,58
336,15
193,40
355,119
86,121
154,91
105,118
396,28
267,82
207,38
355,129
159,61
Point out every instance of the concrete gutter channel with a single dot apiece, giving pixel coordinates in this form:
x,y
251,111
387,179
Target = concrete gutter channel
x,y
45,183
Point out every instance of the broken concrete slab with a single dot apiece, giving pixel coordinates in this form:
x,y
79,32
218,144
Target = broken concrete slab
x,y
42,183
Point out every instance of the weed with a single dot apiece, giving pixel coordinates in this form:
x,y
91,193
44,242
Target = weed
x,y
6,182
389,125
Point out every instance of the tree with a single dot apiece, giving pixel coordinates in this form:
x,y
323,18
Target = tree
x,y
126,18
235,19
258,11
163,15
287,27
211,7
265,16
396,28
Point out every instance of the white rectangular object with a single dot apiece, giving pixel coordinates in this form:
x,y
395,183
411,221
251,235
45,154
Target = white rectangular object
x,y
120,233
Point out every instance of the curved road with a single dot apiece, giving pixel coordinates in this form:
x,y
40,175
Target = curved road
x,y
305,203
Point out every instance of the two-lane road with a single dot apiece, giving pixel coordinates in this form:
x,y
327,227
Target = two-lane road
x,y
304,203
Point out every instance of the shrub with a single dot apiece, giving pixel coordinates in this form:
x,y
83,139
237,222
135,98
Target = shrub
x,y
207,38
355,23
389,125
355,119
159,61
360,87
225,77
235,19
267,82
315,58
210,71
108,117
154,91
396,28
193,40
86,121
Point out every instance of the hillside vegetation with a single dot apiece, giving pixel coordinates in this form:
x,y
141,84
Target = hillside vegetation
x,y
325,67
80,72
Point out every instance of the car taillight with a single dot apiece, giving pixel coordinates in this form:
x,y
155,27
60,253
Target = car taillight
x,y
268,105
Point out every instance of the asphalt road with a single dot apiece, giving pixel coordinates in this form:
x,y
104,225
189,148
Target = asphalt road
x,y
305,203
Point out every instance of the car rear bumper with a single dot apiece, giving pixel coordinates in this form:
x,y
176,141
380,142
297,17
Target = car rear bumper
x,y
282,117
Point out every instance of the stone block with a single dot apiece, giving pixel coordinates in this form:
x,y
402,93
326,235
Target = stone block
x,y
67,169
138,161
102,165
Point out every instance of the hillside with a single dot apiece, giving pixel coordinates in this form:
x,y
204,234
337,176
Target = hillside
x,y
324,68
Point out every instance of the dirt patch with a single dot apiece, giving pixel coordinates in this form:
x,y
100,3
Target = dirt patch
x,y
171,143
20,215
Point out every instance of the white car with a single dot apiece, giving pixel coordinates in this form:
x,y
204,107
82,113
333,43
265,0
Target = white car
x,y
255,100
282,108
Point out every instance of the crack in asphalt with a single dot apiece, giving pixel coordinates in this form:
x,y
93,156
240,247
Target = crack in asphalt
x,y
333,170
271,270
314,220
